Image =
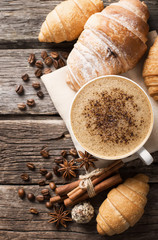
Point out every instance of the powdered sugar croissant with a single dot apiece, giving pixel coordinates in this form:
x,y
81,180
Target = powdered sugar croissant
x,y
113,41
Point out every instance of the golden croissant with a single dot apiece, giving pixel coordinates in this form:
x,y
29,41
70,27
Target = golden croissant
x,y
67,20
150,70
113,41
123,206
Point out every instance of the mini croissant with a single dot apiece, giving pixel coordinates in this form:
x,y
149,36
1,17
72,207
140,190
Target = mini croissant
x,y
150,70
123,206
66,21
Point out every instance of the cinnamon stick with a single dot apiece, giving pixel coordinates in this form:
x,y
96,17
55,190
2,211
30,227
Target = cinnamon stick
x,y
116,179
78,192
57,199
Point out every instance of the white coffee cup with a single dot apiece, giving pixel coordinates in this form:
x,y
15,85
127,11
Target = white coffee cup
x,y
144,155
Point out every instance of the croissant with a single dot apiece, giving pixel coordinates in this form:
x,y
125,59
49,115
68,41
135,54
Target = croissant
x,y
113,41
150,70
67,20
123,206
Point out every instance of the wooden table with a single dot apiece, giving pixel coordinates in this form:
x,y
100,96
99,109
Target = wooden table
x,y
23,134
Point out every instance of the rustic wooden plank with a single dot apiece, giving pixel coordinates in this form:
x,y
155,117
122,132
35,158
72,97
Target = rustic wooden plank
x,y
17,223
13,65
21,20
21,142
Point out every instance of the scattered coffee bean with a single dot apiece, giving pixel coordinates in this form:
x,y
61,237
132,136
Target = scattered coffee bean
x,y
58,160
42,183
47,70
39,64
25,177
63,153
31,59
49,175
19,89
40,94
45,192
25,77
49,205
30,102
52,185
61,63
44,152
38,73
34,211
48,61
43,171
31,166
54,55
36,85
31,197
73,152
40,198
21,193
64,54
44,55
22,106
55,64
56,172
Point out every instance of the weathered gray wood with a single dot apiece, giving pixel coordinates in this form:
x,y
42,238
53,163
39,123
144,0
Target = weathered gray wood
x,y
21,20
18,223
21,142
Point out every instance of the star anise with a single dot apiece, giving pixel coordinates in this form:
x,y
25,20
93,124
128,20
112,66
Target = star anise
x,y
60,217
86,160
68,169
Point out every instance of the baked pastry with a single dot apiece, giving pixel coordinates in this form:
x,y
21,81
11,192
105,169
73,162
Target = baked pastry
x,y
150,70
67,20
113,41
123,206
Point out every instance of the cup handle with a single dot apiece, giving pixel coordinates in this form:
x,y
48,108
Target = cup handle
x,y
145,156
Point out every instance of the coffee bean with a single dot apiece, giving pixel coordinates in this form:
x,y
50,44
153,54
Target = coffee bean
x,y
48,61
25,77
58,160
36,85
44,55
55,64
42,183
21,193
39,64
22,106
44,153
30,102
54,55
52,185
30,166
19,89
47,70
31,59
61,63
43,171
38,73
48,175
64,54
49,205
40,198
45,192
63,153
25,177
34,211
56,172
31,197
40,94
73,152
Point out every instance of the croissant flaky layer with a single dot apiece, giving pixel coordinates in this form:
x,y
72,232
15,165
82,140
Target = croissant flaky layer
x,y
150,70
67,20
113,41
123,206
